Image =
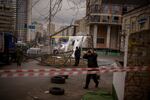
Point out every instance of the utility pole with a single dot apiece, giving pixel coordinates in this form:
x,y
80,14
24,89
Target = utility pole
x,y
49,38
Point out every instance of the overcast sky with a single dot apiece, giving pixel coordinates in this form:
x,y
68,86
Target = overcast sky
x,y
68,13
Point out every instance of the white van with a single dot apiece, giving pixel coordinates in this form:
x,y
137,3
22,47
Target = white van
x,y
34,51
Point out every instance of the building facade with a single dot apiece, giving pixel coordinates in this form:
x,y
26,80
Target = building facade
x,y
23,19
7,16
68,30
15,17
136,26
104,21
81,27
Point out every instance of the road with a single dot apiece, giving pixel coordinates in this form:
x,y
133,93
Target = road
x,y
20,88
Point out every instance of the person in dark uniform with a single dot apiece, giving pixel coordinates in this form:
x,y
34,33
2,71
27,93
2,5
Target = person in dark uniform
x,y
77,55
92,63
19,56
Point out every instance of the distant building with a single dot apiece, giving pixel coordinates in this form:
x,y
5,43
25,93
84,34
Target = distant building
x,y
7,16
23,19
81,27
15,17
38,28
70,31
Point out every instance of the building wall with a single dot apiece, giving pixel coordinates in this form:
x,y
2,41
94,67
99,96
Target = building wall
x,y
102,32
7,16
115,37
29,20
101,36
137,20
70,31
136,25
81,26
23,19
105,16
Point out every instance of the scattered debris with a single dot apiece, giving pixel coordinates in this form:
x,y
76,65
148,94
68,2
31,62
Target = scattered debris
x,y
33,97
46,92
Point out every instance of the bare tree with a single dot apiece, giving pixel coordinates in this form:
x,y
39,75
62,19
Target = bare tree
x,y
55,7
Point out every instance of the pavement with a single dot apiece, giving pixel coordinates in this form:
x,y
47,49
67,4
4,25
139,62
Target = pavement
x,y
28,87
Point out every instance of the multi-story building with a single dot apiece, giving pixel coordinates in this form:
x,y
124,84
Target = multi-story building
x,y
136,38
38,30
15,17
7,16
104,21
23,19
7,30
136,26
68,30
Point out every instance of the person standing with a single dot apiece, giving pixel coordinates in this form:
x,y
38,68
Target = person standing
x,y
19,56
92,63
77,55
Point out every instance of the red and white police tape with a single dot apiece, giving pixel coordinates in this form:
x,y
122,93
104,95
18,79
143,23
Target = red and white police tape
x,y
67,71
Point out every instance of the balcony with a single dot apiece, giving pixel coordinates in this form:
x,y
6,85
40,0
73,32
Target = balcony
x,y
105,19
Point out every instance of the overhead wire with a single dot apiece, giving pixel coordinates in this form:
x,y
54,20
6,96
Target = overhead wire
x,y
43,17
77,12
20,3
57,5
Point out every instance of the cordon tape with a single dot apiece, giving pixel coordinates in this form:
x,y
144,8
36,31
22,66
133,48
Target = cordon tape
x,y
67,71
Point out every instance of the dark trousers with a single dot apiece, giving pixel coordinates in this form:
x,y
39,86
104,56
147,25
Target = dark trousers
x,y
18,63
77,60
89,77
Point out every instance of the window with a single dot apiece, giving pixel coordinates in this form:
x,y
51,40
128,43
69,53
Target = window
x,y
105,9
116,9
133,24
115,19
2,1
105,19
101,40
124,10
95,18
142,20
95,8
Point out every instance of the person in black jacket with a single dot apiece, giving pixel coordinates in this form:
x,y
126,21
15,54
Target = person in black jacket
x,y
92,63
19,56
77,55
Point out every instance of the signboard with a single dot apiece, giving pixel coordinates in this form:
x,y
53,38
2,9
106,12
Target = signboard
x,y
31,26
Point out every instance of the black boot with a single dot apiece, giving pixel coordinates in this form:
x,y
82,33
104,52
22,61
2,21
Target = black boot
x,y
96,85
85,87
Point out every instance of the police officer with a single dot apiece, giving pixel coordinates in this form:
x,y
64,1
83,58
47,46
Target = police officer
x,y
92,63
77,55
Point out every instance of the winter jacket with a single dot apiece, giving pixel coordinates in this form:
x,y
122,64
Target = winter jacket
x,y
92,60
